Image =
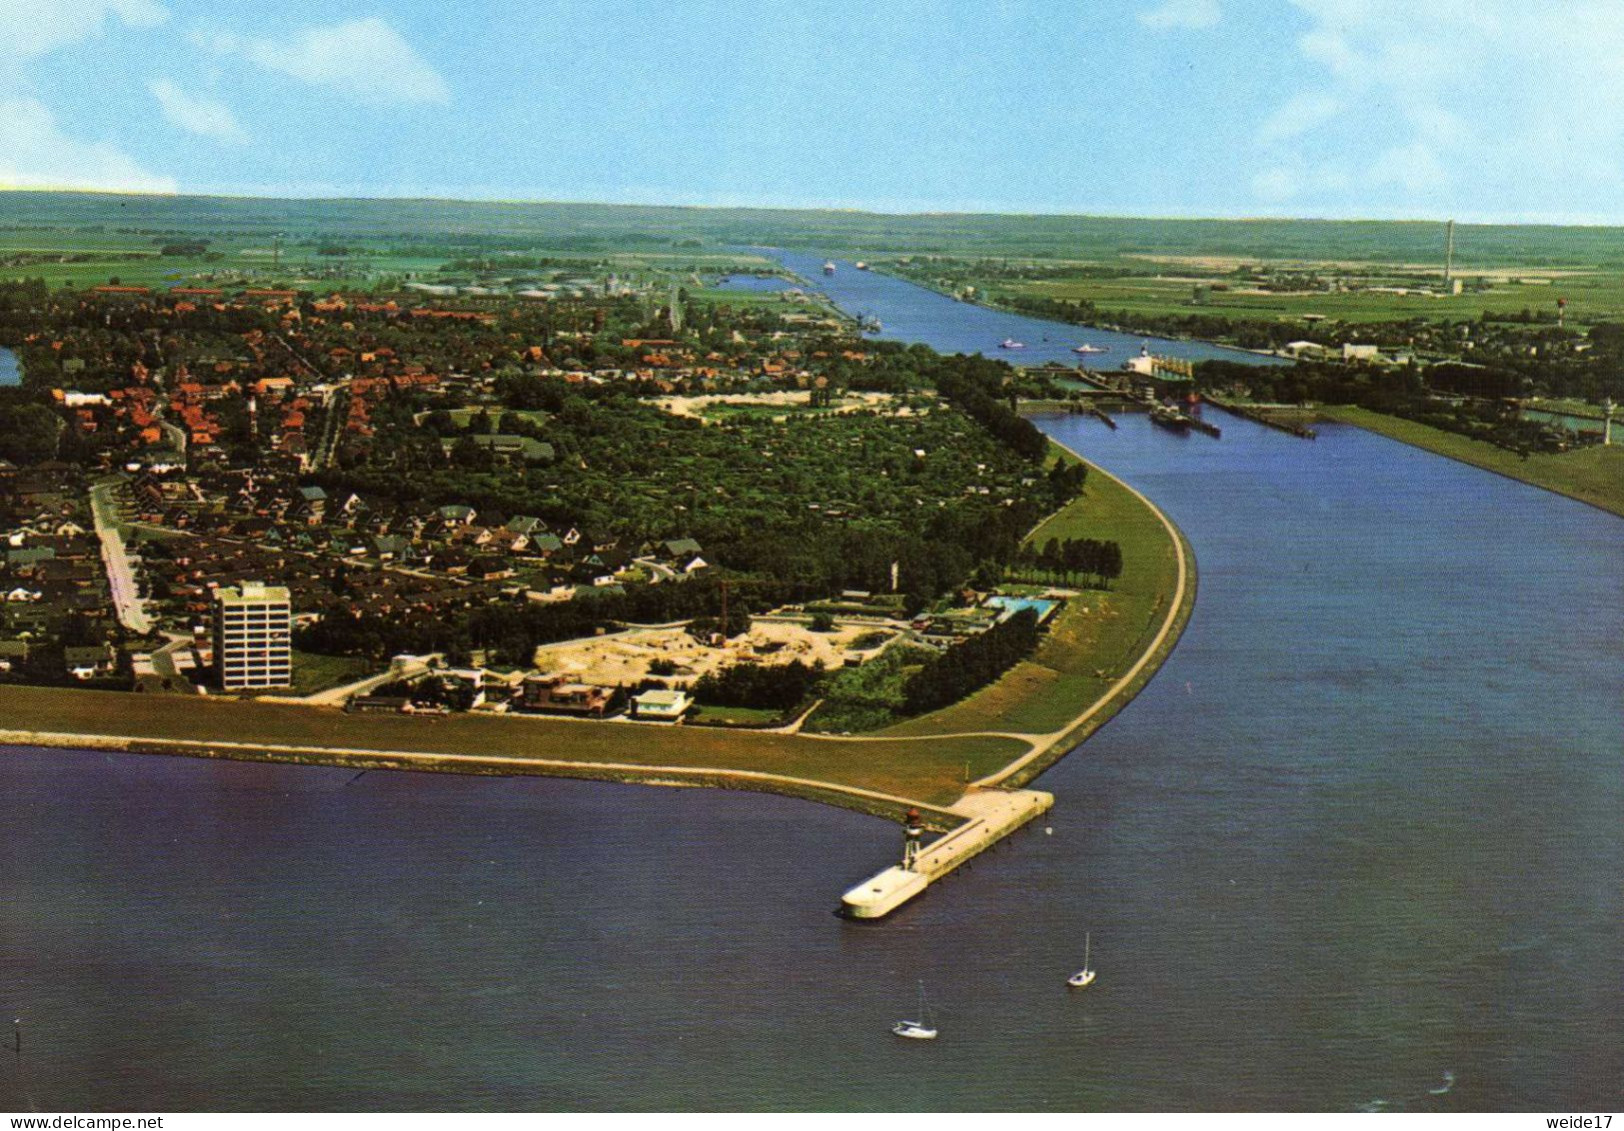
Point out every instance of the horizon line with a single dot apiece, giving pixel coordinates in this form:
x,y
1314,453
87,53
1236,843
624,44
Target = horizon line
x,y
1471,220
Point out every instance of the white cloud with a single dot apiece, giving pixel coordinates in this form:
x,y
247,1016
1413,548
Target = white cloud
x,y
197,115
1181,14
34,153
365,59
1298,116
30,28
1418,103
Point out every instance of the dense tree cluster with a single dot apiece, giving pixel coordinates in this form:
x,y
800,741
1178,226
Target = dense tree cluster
x,y
829,502
773,687
1073,557
29,432
972,664
973,384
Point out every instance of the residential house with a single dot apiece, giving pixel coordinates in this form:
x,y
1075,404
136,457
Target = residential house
x,y
92,661
555,693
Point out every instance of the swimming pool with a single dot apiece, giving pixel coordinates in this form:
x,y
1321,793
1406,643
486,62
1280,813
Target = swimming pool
x,y
1043,607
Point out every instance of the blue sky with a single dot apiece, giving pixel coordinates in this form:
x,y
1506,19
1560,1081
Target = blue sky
x,y
1489,110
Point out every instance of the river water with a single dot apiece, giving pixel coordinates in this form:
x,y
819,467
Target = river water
x,y
1360,832
9,373
911,313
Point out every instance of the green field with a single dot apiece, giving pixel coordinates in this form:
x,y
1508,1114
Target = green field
x,y
398,236
1593,296
1593,475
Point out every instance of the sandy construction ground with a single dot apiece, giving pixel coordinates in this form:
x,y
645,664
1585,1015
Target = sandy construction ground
x,y
695,406
625,658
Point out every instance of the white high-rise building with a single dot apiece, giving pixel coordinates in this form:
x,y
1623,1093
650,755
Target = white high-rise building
x,y
253,637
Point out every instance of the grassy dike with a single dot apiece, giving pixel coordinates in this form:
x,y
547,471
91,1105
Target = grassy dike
x,y
1591,475
1006,733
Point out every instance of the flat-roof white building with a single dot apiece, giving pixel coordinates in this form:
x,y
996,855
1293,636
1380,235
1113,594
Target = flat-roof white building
x,y
666,706
253,637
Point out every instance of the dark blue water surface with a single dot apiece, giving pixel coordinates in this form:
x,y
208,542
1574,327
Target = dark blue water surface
x,y
9,374
1362,830
911,313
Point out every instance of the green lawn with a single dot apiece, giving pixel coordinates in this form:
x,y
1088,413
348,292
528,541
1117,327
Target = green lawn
x,y
313,673
707,715
1592,475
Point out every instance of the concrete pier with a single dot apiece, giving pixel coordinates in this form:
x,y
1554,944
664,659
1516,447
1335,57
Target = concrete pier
x,y
990,815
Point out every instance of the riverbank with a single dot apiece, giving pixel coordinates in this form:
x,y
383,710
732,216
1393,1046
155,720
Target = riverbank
x,y
1100,650
1593,475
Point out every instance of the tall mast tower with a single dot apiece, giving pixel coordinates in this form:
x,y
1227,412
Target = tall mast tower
x,y
1449,253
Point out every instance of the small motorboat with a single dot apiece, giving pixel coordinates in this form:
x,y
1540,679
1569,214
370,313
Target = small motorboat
x,y
1011,344
1085,976
1088,348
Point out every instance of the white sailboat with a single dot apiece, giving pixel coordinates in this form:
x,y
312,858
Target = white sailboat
x,y
1085,976
920,1030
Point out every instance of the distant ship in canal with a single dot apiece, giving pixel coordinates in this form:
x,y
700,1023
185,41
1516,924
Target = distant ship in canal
x,y
828,266
1011,344
1087,348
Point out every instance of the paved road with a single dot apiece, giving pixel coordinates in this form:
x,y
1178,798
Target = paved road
x,y
120,578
